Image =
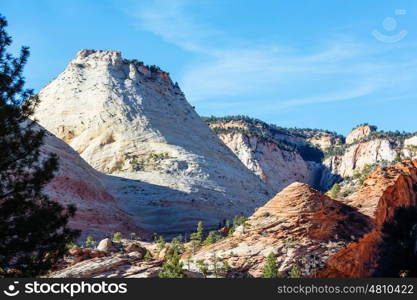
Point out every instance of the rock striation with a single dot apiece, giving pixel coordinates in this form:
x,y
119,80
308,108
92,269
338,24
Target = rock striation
x,y
76,182
278,156
384,191
128,120
299,225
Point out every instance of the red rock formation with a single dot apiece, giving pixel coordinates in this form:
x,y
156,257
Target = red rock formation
x,y
296,224
384,191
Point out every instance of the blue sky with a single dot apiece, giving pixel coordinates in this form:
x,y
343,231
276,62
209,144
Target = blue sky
x,y
311,63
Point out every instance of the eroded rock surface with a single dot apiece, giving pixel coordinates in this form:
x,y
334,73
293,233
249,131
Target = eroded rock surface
x,y
168,169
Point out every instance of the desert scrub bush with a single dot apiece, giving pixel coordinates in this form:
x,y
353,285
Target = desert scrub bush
x,y
364,173
90,242
117,237
334,191
291,242
152,160
295,271
203,268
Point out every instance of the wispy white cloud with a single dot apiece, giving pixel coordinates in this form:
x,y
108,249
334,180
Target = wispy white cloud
x,y
228,67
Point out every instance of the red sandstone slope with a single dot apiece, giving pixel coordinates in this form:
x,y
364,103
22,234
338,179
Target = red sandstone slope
x,y
384,191
299,225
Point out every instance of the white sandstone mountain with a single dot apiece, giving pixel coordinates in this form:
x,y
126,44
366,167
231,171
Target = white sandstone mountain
x,y
129,120
76,182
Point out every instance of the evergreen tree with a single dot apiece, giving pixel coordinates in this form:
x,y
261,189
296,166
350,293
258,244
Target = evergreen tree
x,y
160,242
172,268
33,229
200,231
90,241
271,268
198,236
398,248
335,190
213,237
117,237
148,256
295,271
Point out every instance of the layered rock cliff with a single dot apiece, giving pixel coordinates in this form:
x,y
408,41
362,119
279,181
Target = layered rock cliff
x,y
367,147
168,169
279,156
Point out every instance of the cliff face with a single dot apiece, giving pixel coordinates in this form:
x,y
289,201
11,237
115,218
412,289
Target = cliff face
x,y
367,147
359,133
278,156
128,120
300,225
384,191
357,156
276,167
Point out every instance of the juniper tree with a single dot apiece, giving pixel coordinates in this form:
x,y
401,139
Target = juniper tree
x,y
172,268
90,242
212,237
117,237
397,252
270,269
33,228
295,271
197,237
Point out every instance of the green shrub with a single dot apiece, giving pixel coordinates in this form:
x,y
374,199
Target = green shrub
x,y
334,191
117,237
270,269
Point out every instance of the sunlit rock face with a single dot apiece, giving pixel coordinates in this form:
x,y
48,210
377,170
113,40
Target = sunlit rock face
x,y
299,225
130,121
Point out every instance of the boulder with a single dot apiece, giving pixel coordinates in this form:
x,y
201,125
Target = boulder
x,y
106,245
136,247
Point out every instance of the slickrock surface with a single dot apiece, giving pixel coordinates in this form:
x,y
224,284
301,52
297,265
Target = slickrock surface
x,y
128,120
300,225
98,212
87,263
384,190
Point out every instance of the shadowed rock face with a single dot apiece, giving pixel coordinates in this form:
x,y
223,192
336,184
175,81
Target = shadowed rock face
x,y
98,213
130,121
384,191
299,225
